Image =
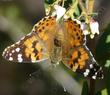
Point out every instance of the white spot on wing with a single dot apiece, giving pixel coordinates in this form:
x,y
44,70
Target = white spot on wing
x,y
17,49
22,38
18,42
19,55
95,73
5,50
91,66
94,77
10,58
13,51
10,54
20,59
86,72
94,69
6,55
102,77
13,45
3,53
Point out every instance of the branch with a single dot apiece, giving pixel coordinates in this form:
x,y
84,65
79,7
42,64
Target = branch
x,y
92,87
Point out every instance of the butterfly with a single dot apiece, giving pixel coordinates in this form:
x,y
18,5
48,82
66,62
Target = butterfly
x,y
56,41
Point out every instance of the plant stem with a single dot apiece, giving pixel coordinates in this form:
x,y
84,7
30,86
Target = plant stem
x,y
89,6
63,1
71,9
92,87
84,11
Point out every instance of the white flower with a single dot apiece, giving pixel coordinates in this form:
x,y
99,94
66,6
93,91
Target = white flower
x,y
84,27
94,26
59,11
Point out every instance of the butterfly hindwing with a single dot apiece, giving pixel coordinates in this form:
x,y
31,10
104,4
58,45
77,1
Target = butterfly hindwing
x,y
81,60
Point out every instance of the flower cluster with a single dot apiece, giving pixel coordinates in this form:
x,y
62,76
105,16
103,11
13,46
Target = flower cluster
x,y
91,28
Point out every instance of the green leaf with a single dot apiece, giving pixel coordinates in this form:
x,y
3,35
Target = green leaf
x,y
108,39
85,89
107,64
104,92
77,11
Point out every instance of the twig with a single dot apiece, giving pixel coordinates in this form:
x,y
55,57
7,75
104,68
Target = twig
x,y
71,9
92,45
84,11
63,1
92,87
89,6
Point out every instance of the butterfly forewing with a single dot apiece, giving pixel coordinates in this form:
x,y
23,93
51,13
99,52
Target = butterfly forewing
x,y
35,46
73,35
28,49
46,29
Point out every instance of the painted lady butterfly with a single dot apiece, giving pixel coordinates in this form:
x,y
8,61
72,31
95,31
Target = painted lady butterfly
x,y
56,41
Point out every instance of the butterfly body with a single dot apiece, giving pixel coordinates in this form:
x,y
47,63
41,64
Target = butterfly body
x,y
56,41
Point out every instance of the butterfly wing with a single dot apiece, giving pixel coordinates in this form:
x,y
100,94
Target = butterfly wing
x,y
46,30
82,61
35,46
73,36
28,49
76,55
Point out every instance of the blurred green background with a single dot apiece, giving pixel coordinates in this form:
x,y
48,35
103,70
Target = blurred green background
x,y
16,20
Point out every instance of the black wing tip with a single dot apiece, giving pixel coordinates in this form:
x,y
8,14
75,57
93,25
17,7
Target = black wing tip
x,y
97,73
93,71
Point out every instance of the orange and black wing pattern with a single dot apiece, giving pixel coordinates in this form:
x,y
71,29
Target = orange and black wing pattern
x,y
77,56
28,50
35,46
